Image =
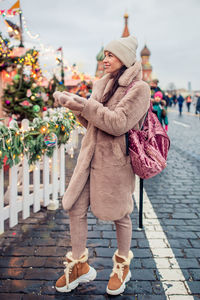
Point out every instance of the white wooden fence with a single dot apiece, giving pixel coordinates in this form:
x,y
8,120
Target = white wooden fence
x,y
20,195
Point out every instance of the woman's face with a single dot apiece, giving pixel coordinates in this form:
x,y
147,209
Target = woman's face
x,y
111,62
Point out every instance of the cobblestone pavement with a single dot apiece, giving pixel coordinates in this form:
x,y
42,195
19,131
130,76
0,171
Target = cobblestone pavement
x,y
166,262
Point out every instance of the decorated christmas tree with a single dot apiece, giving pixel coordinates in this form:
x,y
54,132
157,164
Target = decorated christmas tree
x,y
54,85
24,97
5,50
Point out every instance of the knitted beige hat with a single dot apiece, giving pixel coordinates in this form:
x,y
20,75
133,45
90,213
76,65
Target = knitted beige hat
x,y
124,49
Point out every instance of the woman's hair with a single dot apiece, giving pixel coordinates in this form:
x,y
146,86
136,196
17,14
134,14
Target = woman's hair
x,y
115,85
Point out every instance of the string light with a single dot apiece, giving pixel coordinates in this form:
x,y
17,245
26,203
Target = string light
x,y
32,36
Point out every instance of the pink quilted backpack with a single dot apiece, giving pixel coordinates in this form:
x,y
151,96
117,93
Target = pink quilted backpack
x,y
148,147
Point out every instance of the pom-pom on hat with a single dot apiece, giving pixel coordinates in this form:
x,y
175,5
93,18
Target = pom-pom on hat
x,y
124,49
158,94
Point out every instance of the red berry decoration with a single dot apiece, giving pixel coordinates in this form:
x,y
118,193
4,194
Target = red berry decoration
x,y
44,108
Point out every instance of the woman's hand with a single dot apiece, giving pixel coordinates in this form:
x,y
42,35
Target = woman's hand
x,y
69,100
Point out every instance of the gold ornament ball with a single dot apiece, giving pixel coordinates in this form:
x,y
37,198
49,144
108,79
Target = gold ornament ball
x,y
34,85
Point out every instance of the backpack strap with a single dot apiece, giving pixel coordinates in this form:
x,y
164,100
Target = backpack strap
x,y
126,134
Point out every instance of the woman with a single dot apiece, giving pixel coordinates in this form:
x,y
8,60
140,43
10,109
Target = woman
x,y
103,178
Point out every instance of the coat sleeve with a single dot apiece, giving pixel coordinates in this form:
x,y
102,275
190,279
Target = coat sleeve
x,y
126,114
80,119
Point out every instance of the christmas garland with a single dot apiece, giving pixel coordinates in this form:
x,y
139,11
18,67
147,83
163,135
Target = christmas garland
x,y
41,137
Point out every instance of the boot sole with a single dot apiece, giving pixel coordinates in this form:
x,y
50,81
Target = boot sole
x,y
91,275
122,287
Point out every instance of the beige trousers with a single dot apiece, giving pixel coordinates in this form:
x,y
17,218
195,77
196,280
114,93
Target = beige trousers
x,y
78,226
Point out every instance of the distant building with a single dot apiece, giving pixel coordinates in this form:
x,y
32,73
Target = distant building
x,y
126,31
100,68
146,66
189,87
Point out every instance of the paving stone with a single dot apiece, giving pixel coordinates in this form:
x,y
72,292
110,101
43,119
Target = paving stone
x,y
138,287
92,288
54,262
194,228
182,297
172,274
20,286
186,263
33,297
143,243
104,252
179,243
11,273
94,234
11,296
144,274
195,273
185,216
136,262
76,297
158,288
192,222
162,253
98,242
150,297
64,242
156,235
113,243
11,261
195,243
172,287
192,252
42,242
42,274
34,261
48,288
105,227
194,287
20,251
50,251
181,235
155,263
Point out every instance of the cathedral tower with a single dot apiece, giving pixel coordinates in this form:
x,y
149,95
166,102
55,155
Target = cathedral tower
x,y
146,66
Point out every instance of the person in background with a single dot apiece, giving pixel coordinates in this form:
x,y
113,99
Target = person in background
x,y
166,97
180,101
197,109
159,108
154,87
188,102
174,99
170,99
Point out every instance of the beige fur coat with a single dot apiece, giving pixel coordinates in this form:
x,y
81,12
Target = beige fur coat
x,y
102,157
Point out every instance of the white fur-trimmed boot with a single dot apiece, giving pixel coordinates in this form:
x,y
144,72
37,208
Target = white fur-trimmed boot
x,y
76,271
120,273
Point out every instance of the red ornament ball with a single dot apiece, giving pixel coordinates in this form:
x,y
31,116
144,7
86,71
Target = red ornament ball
x,y
44,108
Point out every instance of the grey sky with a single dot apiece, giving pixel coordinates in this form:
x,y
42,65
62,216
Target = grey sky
x,y
169,28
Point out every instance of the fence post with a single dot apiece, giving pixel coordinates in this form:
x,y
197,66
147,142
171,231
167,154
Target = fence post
x,y
46,179
25,178
13,196
54,203
36,187
62,169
